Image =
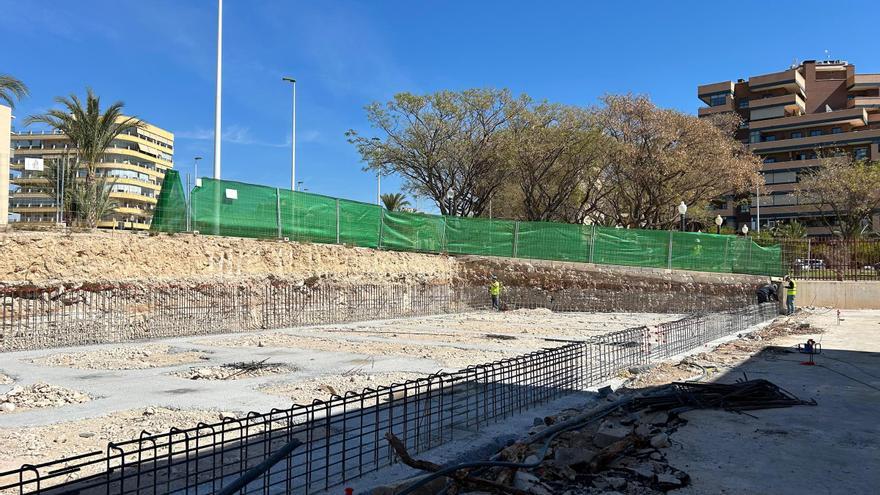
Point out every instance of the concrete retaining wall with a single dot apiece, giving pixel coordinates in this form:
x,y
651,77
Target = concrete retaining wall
x,y
840,295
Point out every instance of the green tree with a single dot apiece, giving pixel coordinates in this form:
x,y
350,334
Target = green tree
x,y
445,145
845,191
395,201
91,131
12,89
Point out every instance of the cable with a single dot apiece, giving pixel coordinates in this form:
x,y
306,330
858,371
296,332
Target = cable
x,y
853,365
847,376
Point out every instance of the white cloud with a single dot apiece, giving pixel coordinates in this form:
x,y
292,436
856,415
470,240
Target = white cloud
x,y
234,134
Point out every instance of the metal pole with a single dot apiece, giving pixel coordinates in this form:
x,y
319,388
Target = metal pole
x,y
758,194
278,211
293,141
217,102
592,242
337,220
669,251
515,238
379,189
682,222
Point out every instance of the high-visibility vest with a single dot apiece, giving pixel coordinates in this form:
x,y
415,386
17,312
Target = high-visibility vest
x,y
792,288
495,288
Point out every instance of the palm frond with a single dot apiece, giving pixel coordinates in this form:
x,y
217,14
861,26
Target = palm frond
x,y
12,89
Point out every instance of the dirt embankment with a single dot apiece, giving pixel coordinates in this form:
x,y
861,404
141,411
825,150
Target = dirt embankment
x,y
42,257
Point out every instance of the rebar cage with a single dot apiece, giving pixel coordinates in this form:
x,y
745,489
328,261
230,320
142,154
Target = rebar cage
x,y
342,438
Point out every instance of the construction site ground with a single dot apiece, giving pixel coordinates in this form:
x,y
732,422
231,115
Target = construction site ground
x,y
109,393
831,447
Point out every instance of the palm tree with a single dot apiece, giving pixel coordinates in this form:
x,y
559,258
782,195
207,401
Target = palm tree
x,y
11,89
91,132
394,202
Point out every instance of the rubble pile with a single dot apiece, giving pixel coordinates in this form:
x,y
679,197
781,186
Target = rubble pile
x,y
39,395
124,358
236,371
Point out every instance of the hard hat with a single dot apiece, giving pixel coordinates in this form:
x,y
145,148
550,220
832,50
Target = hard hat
x,y
494,277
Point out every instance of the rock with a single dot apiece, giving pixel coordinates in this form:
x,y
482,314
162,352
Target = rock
x,y
7,407
644,470
655,418
601,484
530,483
657,456
227,415
668,482
660,441
609,432
643,430
616,483
86,434
538,422
149,411
532,459
568,456
15,391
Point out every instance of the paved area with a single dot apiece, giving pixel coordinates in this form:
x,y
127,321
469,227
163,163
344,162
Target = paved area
x,y
833,447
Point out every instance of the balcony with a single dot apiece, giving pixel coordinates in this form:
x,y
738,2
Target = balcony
x,y
863,102
791,165
791,80
776,107
858,82
706,91
854,117
825,140
706,111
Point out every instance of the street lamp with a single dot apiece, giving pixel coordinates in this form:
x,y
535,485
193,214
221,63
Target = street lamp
x,y
292,81
449,196
682,209
745,230
718,222
298,186
196,167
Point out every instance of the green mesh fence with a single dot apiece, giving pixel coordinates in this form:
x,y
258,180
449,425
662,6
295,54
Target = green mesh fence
x,y
245,210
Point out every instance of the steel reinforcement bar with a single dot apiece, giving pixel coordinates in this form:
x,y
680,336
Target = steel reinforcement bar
x,y
342,438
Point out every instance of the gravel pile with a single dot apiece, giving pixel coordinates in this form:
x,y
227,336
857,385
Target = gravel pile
x,y
39,395
236,371
124,358
304,392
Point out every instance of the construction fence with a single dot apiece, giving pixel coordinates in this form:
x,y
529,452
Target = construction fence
x,y
832,258
227,208
311,448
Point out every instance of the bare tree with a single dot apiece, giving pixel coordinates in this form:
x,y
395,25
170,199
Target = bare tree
x,y
661,157
444,145
554,151
845,191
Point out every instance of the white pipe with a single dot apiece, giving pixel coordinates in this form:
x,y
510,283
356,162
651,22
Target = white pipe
x,y
293,143
378,189
217,103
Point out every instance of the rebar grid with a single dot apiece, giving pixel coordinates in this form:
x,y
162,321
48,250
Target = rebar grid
x,y
343,437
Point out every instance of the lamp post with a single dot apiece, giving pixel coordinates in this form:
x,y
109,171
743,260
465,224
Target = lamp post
x,y
292,81
219,90
196,167
718,222
682,209
449,196
745,230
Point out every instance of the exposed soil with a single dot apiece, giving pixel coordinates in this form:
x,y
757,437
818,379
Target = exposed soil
x,y
5,380
39,395
123,358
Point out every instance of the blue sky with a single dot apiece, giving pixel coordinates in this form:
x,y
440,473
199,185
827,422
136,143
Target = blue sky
x,y
158,57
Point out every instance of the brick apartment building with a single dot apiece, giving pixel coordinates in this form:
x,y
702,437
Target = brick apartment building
x,y
789,118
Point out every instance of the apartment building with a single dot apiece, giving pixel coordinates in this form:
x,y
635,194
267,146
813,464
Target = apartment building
x,y
136,160
5,130
789,119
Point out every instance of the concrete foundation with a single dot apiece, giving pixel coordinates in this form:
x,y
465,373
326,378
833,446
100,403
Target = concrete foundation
x,y
840,295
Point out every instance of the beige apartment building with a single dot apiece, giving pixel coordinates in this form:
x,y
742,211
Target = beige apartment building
x,y
5,130
136,161
789,119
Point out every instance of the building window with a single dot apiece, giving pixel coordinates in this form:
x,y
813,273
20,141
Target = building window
x,y
755,137
836,130
770,138
816,132
744,208
770,160
861,153
797,135
717,100
744,103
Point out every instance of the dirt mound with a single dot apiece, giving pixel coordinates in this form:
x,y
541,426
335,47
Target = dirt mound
x,y
103,256
235,371
123,358
39,395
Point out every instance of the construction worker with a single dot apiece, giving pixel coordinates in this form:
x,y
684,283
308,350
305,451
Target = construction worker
x,y
767,293
790,292
495,292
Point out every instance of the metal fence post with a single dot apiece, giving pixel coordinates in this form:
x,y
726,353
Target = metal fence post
x,y
515,237
278,211
726,251
669,253
809,250
381,227
592,242
337,220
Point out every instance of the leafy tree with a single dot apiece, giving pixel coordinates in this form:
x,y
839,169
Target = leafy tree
x,y
660,157
790,230
445,145
554,154
11,89
395,202
91,132
845,191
